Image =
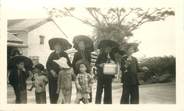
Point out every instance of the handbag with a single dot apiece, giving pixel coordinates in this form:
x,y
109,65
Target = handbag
x,y
110,68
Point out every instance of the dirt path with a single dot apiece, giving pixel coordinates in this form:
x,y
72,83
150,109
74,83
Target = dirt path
x,y
162,93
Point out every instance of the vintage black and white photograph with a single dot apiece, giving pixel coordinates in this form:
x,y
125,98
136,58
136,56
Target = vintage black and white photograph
x,y
91,55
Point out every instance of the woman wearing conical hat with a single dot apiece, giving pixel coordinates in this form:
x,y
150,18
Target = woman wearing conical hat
x,y
58,45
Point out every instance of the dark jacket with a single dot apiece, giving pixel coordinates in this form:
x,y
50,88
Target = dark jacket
x,y
18,80
78,56
129,77
51,65
102,58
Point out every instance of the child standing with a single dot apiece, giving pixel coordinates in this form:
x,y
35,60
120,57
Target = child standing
x,y
84,83
19,72
40,81
64,88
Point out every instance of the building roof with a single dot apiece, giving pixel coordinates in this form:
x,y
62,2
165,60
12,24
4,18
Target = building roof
x,y
26,25
14,41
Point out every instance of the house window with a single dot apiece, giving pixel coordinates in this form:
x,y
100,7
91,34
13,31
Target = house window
x,y
42,39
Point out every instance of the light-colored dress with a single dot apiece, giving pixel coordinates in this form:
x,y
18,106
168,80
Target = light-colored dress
x,y
65,86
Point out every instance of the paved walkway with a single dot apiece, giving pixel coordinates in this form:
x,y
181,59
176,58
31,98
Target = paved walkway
x,y
160,93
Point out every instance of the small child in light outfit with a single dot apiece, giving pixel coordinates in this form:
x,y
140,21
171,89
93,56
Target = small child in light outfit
x,y
40,81
84,83
64,88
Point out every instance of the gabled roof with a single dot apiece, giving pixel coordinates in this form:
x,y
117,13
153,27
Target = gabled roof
x,y
26,25
14,41
13,38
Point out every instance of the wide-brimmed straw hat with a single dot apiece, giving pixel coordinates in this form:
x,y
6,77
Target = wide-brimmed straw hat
x,y
17,59
117,50
87,41
107,43
132,45
63,42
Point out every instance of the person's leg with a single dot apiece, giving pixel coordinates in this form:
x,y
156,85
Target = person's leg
x,y
86,101
90,97
17,94
107,90
69,95
66,96
43,97
134,95
125,95
99,91
78,98
37,97
52,90
23,96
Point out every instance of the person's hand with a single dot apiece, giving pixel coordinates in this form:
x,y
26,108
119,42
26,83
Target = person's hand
x,y
53,73
57,92
79,88
23,69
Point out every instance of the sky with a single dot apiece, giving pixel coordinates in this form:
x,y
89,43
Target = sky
x,y
157,38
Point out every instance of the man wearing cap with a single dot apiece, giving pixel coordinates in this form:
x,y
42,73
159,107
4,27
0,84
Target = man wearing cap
x,y
130,68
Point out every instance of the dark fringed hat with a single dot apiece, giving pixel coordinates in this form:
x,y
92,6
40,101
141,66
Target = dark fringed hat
x,y
133,45
87,41
107,43
117,50
63,42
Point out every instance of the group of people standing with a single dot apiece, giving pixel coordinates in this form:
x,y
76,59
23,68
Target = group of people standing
x,y
60,72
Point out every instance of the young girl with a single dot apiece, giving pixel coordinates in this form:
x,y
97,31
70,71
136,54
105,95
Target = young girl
x,y
64,88
84,83
40,81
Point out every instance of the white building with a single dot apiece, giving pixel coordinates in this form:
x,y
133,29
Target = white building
x,y
36,34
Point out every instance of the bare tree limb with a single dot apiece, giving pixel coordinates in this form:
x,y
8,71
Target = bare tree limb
x,y
84,21
126,15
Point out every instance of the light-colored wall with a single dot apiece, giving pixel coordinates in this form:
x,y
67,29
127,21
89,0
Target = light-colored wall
x,y
23,36
49,30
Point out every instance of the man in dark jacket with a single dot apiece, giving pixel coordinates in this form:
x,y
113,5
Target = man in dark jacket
x,y
129,79
104,81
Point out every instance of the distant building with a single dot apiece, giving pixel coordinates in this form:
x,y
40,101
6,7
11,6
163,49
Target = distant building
x,y
35,33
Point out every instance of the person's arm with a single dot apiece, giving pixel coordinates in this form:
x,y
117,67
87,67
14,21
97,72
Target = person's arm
x,y
49,62
137,66
49,65
45,80
12,77
74,63
91,80
98,63
77,83
68,60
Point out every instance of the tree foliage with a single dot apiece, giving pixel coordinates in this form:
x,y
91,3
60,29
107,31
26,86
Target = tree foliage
x,y
160,65
115,23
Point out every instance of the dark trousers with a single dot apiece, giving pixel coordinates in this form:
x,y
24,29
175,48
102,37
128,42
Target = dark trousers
x,y
130,95
40,97
52,90
21,95
104,83
90,97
